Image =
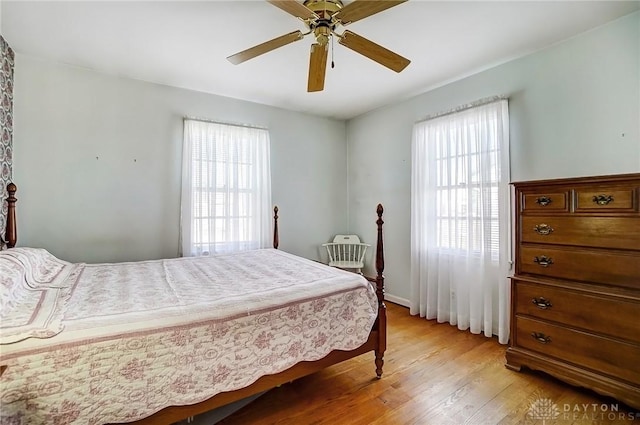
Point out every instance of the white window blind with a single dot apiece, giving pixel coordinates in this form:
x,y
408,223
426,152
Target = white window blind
x,y
226,188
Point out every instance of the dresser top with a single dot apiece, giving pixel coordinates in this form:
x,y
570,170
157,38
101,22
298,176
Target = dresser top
x,y
614,178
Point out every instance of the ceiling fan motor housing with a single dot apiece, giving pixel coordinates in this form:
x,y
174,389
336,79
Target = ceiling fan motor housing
x,y
324,25
324,8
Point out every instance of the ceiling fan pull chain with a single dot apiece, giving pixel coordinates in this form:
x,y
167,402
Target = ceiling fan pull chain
x,y
333,65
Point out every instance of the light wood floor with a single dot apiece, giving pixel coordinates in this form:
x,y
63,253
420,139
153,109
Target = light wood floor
x,y
433,374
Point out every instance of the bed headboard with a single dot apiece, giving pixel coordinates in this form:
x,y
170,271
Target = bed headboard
x,y
11,234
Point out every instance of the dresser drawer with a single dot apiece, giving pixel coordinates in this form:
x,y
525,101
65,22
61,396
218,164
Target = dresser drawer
x,y
618,268
545,201
606,198
605,232
609,315
600,354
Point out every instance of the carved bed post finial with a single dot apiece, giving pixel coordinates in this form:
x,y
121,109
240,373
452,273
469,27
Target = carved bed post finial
x,y
276,239
11,234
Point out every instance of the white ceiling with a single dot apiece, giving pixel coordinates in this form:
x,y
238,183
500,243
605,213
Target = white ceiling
x,y
185,43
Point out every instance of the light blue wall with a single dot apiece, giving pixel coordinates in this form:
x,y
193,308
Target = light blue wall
x,y
570,106
574,111
97,162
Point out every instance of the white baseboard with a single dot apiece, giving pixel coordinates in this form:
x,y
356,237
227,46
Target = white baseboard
x,y
397,300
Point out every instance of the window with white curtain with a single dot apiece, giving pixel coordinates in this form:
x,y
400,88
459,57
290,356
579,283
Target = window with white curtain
x,y
460,209
226,188
466,200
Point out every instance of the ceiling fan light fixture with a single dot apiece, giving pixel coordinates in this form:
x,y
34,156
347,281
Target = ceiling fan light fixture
x,y
322,34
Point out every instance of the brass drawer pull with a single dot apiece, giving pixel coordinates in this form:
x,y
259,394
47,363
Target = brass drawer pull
x,y
603,199
541,303
541,338
543,261
543,229
543,201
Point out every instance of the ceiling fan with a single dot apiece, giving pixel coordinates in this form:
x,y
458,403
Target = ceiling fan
x,y
321,18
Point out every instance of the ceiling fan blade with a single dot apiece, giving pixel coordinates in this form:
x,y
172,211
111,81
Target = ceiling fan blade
x,y
317,67
294,8
374,51
360,9
265,47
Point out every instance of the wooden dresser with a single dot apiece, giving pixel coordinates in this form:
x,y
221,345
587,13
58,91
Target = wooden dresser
x,y
575,295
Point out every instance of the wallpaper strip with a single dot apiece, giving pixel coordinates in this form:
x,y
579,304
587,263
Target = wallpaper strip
x,y
7,61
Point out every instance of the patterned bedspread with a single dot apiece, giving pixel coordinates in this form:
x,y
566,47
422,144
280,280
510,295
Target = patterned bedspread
x,y
137,337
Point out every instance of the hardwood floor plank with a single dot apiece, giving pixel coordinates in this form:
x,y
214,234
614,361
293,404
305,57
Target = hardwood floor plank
x,y
494,411
433,374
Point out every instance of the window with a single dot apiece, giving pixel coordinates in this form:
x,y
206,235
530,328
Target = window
x,y
460,209
467,177
226,188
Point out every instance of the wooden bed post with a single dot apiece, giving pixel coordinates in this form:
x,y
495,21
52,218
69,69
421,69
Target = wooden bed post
x,y
11,234
382,308
276,239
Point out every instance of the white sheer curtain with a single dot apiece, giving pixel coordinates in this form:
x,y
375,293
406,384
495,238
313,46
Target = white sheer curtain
x,y
226,188
460,225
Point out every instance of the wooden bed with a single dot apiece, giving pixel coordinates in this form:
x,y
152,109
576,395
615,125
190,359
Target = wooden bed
x,y
376,341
